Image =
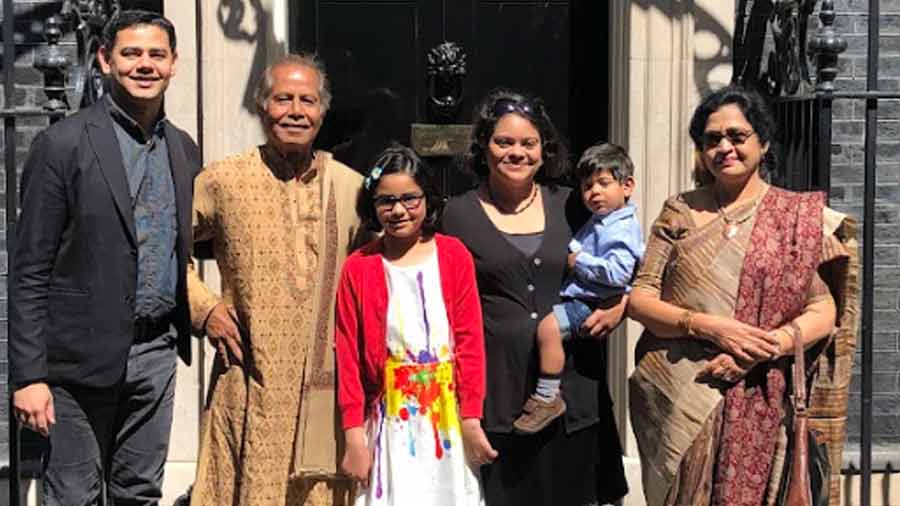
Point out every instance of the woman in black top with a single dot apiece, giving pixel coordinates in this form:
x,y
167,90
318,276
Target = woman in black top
x,y
515,225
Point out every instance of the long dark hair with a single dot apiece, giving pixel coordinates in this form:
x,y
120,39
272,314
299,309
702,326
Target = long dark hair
x,y
553,146
399,159
754,108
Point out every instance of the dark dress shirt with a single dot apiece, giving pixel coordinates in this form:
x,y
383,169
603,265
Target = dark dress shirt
x,y
149,174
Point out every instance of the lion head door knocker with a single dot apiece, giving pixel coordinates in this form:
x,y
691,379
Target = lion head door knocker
x,y
445,73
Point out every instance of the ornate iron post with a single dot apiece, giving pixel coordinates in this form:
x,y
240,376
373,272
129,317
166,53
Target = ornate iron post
x,y
53,62
826,46
88,19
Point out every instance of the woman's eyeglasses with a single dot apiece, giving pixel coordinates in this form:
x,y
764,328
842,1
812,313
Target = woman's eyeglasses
x,y
735,136
408,200
507,105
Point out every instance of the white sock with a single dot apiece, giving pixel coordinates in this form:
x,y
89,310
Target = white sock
x,y
547,388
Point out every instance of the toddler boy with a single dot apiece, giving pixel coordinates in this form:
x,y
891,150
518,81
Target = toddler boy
x,y
602,259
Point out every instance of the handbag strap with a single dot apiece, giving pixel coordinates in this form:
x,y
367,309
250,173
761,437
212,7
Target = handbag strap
x,y
799,370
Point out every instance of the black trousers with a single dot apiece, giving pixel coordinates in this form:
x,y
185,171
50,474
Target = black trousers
x,y
112,442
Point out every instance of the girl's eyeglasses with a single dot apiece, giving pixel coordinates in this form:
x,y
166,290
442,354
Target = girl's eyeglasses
x,y
408,200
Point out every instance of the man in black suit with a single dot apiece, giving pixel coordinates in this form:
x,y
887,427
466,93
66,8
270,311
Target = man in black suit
x,y
97,291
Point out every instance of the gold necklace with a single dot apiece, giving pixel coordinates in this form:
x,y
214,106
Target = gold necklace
x,y
732,225
514,211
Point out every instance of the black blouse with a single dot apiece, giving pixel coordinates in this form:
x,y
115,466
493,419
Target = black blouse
x,y
516,292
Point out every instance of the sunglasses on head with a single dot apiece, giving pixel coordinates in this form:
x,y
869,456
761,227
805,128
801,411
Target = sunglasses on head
x,y
507,105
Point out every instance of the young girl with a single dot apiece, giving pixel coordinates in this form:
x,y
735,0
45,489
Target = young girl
x,y
410,349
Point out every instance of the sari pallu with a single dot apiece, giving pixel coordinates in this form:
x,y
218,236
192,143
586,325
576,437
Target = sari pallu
x,y
716,443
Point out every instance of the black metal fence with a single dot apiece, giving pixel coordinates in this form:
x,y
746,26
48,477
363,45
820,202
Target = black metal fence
x,y
872,97
804,113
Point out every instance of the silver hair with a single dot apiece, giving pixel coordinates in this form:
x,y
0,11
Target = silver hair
x,y
264,85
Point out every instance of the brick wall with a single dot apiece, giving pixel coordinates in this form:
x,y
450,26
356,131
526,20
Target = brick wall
x,y
847,196
29,16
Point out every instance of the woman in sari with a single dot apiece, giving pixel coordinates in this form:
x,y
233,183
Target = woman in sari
x,y
731,273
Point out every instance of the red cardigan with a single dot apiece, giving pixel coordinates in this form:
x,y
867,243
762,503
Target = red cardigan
x,y
361,324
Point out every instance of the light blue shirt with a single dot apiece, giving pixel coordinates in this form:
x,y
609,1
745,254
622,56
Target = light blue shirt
x,y
609,246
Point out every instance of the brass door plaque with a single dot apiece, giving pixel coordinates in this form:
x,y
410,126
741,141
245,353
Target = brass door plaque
x,y
440,140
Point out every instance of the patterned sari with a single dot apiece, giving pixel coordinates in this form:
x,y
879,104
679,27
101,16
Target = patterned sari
x,y
714,442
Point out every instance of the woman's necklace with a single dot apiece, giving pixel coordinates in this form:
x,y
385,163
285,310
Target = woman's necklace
x,y
732,225
500,208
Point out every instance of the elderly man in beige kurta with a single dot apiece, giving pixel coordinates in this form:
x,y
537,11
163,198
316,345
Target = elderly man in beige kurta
x,y
281,226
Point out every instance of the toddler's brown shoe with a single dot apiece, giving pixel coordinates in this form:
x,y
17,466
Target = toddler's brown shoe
x,y
538,413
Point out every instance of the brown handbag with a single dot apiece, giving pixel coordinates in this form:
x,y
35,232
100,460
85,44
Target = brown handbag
x,y
799,491
810,470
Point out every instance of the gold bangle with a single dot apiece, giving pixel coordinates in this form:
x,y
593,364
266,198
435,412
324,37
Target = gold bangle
x,y
686,323
790,337
793,332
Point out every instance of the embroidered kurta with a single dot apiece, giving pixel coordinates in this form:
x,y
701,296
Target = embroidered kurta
x,y
268,430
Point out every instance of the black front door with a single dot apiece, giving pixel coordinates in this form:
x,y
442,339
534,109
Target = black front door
x,y
375,54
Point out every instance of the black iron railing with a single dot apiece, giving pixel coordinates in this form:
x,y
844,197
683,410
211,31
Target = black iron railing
x,y
804,114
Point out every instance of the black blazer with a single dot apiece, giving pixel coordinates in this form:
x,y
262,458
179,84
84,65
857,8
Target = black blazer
x,y
74,267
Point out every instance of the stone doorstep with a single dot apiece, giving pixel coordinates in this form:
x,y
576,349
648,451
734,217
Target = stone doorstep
x,y
635,495
179,476
885,487
29,498
884,457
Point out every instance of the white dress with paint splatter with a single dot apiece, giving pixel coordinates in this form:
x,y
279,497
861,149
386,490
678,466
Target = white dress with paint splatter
x,y
415,431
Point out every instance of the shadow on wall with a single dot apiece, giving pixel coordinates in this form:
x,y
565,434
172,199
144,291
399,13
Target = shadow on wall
x,y
712,67
233,18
